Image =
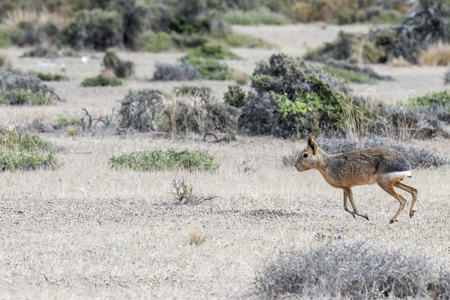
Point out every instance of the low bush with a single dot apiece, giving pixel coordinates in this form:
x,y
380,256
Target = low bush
x,y
293,98
235,96
349,76
22,97
390,17
210,69
239,17
101,80
17,87
20,150
170,159
154,42
239,40
203,91
183,194
122,69
51,77
211,51
354,271
180,71
366,71
95,29
41,51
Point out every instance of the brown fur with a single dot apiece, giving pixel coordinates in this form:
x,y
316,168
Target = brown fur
x,y
383,166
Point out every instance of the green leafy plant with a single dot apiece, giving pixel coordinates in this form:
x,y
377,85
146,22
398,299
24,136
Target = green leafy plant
x,y
22,97
235,96
211,69
170,159
20,150
101,80
349,76
51,77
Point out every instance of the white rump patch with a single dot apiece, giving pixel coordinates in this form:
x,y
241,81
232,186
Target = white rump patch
x,y
398,175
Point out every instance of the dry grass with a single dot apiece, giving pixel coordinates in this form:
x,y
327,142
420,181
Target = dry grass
x,y
436,55
85,230
400,62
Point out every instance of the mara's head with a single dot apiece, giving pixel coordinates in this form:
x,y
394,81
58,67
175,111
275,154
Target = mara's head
x,y
310,157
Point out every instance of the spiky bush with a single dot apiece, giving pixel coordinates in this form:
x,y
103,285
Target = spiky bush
x,y
20,150
18,87
352,271
141,110
170,159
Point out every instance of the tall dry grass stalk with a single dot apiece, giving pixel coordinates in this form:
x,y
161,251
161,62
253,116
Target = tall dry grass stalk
x,y
437,54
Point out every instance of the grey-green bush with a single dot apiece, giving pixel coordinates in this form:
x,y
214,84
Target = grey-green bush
x,y
352,271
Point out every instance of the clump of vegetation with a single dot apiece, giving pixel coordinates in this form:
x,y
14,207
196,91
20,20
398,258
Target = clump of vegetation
x,y
41,51
352,73
20,150
122,69
235,96
191,112
96,29
51,77
178,72
210,68
267,17
170,159
358,271
420,28
293,98
22,97
141,110
213,51
104,79
202,91
183,194
17,87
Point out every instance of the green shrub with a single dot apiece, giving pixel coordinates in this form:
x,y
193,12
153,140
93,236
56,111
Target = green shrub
x,y
354,271
122,69
239,17
101,80
211,69
432,99
349,76
154,42
347,15
170,159
293,98
22,97
235,96
5,39
391,17
341,49
95,29
204,91
239,40
20,150
211,51
51,77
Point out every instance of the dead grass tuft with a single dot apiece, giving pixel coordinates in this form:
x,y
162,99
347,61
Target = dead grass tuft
x,y
400,62
437,54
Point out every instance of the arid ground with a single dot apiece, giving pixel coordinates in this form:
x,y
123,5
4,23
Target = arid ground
x,y
85,230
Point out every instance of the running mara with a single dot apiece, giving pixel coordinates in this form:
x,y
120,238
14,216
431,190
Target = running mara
x,y
383,166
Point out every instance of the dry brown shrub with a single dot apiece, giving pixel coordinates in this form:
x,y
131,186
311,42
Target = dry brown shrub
x,y
437,54
400,62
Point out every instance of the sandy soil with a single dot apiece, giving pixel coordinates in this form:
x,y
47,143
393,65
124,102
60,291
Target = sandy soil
x,y
85,230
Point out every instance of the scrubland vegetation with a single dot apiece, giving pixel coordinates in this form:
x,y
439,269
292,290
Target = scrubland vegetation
x,y
157,158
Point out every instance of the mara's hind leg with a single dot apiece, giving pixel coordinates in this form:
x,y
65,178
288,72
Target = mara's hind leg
x,y
389,188
346,204
412,191
349,193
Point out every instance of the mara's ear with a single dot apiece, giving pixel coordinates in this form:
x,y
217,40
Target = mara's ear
x,y
312,143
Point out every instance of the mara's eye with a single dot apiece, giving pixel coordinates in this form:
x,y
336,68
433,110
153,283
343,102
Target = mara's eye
x,y
305,155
